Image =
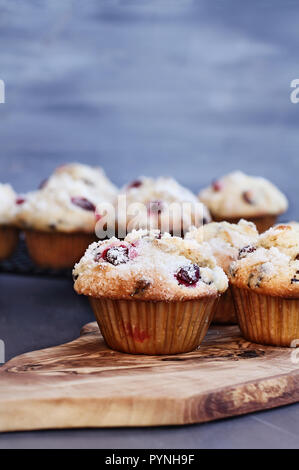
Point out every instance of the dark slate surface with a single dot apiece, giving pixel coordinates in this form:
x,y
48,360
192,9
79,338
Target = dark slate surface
x,y
191,89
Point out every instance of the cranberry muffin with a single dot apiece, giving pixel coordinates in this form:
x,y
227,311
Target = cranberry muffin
x,y
59,218
9,234
151,293
265,284
226,241
237,196
160,203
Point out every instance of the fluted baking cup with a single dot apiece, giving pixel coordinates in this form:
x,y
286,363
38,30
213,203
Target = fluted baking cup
x,y
161,327
57,250
9,237
267,319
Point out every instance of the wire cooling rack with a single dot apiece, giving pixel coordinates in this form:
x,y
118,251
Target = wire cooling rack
x,y
20,263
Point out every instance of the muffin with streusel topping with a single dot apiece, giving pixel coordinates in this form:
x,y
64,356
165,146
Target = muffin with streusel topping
x,y
225,240
265,284
59,218
9,234
151,293
238,196
161,203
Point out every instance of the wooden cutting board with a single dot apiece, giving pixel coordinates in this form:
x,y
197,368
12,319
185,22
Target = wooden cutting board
x,y
85,384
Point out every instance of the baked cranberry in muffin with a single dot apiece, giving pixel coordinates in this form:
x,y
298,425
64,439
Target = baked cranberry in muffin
x,y
188,275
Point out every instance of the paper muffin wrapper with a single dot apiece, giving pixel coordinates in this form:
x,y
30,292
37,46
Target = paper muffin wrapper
x,y
57,250
225,313
262,223
9,237
267,319
153,328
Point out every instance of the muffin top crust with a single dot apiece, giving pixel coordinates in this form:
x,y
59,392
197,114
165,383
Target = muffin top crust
x,y
149,266
225,239
271,266
240,195
67,200
8,205
160,203
292,223
94,177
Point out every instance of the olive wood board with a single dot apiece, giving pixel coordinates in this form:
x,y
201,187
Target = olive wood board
x,y
85,384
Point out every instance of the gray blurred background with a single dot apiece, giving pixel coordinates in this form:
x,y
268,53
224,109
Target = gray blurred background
x,y
191,89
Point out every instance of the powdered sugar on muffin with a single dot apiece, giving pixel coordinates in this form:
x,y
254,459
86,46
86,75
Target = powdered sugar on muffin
x,y
161,203
66,201
147,267
272,266
8,206
225,239
93,177
284,237
240,195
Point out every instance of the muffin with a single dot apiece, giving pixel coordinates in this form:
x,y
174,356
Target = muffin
x,y
59,218
293,224
159,203
225,240
151,293
9,234
265,284
237,196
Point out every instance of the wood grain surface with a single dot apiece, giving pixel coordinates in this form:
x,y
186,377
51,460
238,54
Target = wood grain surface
x,y
85,384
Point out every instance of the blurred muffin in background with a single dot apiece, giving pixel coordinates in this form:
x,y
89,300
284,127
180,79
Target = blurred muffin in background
x,y
237,196
160,203
226,242
9,234
59,218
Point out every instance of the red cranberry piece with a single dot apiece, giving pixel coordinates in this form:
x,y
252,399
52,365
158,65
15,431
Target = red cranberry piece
x,y
248,197
246,250
83,203
135,184
217,185
115,255
188,275
155,207
20,200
